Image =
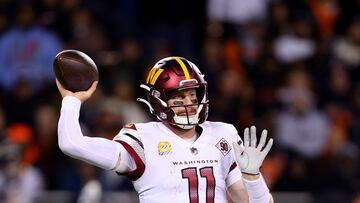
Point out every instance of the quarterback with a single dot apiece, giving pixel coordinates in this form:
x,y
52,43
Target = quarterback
x,y
181,157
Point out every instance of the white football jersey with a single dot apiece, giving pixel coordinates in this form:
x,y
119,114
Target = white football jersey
x,y
179,171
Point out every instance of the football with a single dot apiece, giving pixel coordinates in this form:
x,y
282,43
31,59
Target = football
x,y
75,70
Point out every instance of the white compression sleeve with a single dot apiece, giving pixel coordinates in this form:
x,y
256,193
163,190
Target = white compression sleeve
x,y
257,190
98,151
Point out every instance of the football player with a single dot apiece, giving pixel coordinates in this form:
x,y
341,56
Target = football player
x,y
180,158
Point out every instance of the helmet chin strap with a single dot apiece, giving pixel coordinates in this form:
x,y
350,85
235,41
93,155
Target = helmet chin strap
x,y
188,122
185,127
182,121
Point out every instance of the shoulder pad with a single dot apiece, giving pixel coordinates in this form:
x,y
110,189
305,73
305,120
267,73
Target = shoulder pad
x,y
129,138
128,129
225,126
130,126
230,127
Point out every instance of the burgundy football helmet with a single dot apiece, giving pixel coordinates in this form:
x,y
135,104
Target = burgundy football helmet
x,y
175,74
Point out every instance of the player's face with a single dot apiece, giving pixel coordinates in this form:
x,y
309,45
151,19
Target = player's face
x,y
179,99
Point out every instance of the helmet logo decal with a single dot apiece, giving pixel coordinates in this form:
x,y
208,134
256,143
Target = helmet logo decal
x,y
163,115
155,93
186,72
153,75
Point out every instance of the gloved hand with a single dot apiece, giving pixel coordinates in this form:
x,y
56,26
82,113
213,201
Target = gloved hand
x,y
249,157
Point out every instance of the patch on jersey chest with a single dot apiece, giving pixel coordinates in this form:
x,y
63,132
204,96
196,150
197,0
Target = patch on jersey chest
x,y
194,150
223,146
164,148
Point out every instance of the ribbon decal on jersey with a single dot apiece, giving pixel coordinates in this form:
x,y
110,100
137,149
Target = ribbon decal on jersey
x,y
164,148
223,146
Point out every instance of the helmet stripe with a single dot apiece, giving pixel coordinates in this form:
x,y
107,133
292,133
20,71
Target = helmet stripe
x,y
186,72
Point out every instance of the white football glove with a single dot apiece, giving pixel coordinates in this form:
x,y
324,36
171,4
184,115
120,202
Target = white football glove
x,y
249,157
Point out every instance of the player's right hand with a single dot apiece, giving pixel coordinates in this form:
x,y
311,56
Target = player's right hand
x,y
82,95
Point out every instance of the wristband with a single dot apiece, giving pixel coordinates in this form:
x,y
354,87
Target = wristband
x,y
257,190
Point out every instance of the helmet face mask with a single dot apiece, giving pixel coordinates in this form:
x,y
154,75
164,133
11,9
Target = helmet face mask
x,y
187,114
172,75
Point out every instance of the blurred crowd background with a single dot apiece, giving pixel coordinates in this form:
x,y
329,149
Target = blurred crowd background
x,y
290,66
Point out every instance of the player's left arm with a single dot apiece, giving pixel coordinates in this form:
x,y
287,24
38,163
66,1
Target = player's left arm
x,y
239,194
249,157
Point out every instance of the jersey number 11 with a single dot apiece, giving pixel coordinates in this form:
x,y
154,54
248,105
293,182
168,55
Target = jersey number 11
x,y
192,176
